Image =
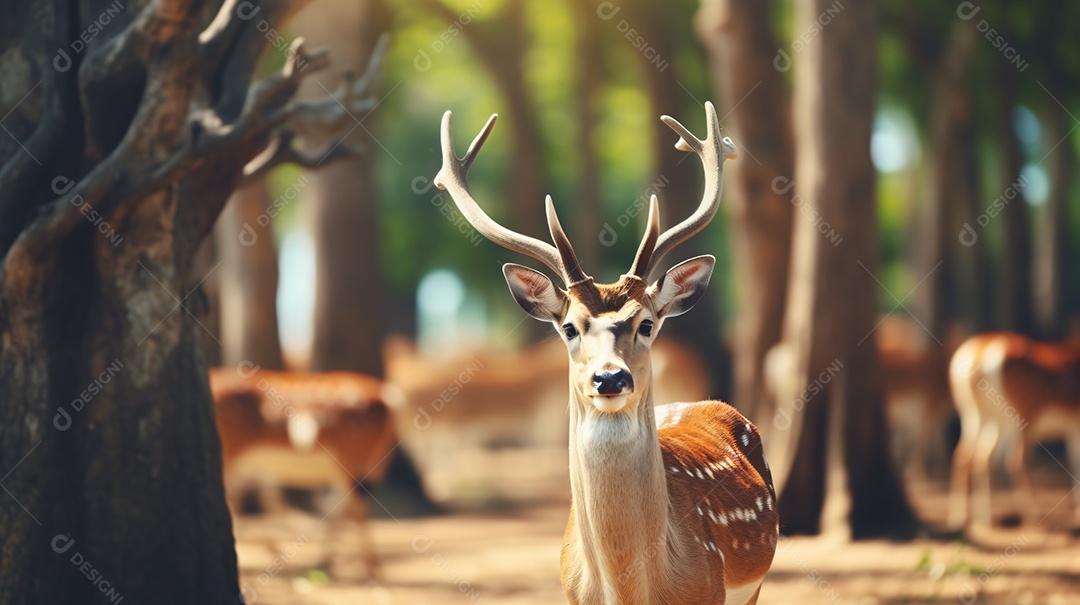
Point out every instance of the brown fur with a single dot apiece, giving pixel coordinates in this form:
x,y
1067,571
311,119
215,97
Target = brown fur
x,y
599,299
670,506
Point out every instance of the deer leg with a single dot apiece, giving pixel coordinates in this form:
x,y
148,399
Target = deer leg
x,y
1072,445
961,471
920,455
359,512
1023,494
982,510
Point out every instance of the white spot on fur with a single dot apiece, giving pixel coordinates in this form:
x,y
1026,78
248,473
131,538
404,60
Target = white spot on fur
x,y
740,595
745,439
760,503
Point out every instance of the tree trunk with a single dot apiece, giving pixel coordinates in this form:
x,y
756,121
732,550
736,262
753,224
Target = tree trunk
x,y
248,279
588,202
341,206
840,476
680,194
126,150
1015,291
1050,243
951,121
977,263
500,47
757,104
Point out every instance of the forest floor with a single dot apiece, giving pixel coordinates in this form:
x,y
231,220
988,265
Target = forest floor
x,y
513,557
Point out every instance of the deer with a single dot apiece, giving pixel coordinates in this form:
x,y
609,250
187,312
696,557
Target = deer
x,y
454,421
1010,391
303,430
670,504
915,376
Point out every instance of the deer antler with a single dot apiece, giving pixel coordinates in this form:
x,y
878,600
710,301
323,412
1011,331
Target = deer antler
x,y
452,178
712,151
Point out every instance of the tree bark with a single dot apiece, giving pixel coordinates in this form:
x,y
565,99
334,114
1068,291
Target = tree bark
x,y
757,103
107,437
840,476
248,279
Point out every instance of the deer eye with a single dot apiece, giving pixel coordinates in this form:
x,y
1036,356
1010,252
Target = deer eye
x,y
570,331
646,327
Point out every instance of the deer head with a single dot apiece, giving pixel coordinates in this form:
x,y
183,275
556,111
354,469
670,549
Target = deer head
x,y
608,328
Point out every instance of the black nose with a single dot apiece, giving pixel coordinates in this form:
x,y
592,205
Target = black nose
x,y
612,383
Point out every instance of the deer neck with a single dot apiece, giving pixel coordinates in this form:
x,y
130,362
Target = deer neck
x,y
621,533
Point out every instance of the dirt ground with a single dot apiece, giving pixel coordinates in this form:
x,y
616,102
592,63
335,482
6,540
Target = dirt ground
x,y
513,558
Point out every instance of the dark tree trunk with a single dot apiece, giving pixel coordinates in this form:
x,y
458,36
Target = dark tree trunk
x,y
342,208
125,154
247,279
1015,285
757,104
976,257
840,476
1050,244
951,121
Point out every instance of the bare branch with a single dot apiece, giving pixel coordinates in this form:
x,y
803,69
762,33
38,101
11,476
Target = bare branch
x,y
349,104
156,150
265,108
282,150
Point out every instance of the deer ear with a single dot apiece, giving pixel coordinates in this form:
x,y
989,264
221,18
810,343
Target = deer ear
x,y
535,292
682,286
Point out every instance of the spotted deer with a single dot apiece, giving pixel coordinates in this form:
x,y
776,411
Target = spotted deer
x,y
1010,391
304,430
672,504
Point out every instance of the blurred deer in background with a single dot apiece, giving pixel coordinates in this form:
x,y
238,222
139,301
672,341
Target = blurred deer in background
x,y
469,418
1010,391
917,399
469,441
670,505
918,403
307,431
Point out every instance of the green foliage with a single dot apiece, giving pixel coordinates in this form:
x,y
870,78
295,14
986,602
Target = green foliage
x,y
433,65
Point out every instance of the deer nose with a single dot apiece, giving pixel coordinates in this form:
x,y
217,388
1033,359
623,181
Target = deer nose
x,y
612,383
